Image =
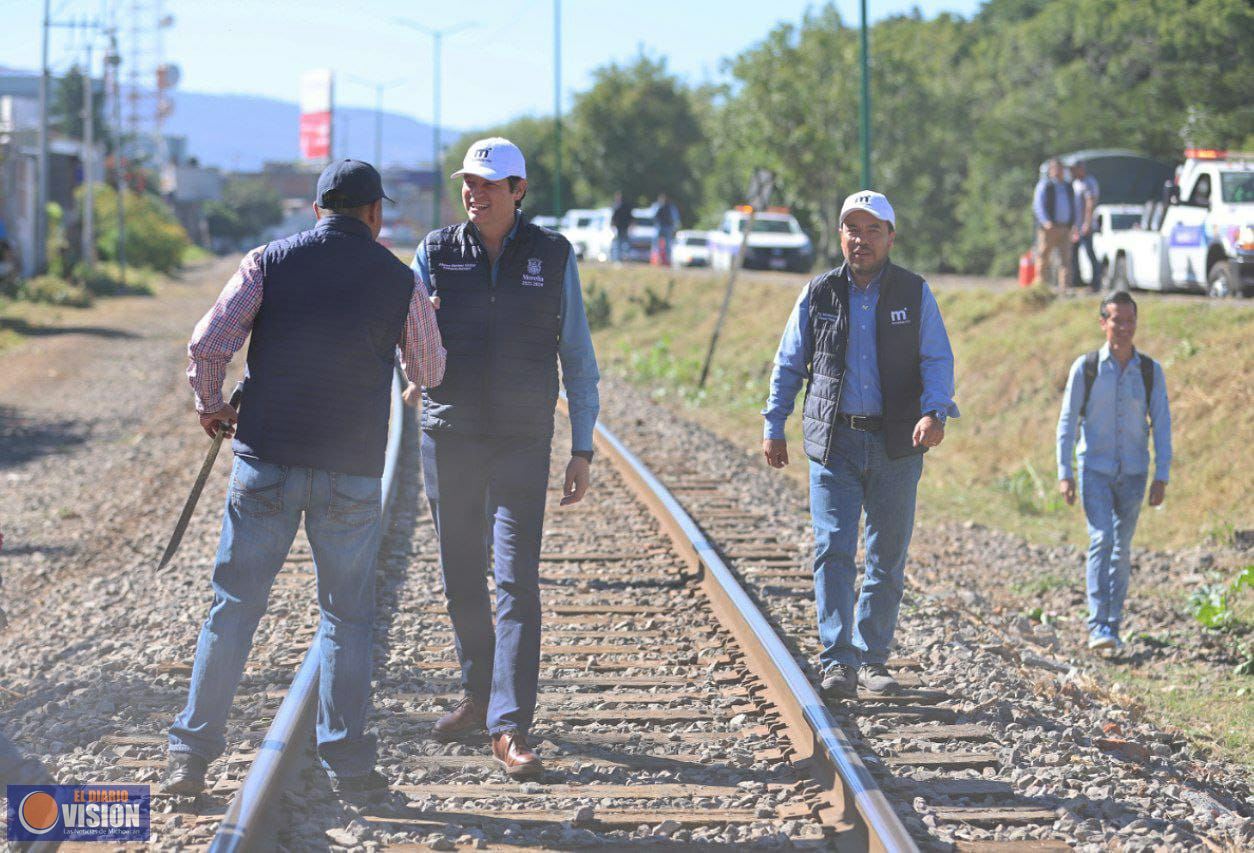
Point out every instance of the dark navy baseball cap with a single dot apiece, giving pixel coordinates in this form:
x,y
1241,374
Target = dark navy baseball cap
x,y
349,183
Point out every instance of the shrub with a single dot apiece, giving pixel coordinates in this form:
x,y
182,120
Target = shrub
x,y
597,307
55,291
154,238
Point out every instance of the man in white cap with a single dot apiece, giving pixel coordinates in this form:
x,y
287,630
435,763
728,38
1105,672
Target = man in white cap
x,y
510,308
868,340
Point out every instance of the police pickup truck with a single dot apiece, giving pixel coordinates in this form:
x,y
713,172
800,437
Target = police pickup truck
x,y
776,243
1198,236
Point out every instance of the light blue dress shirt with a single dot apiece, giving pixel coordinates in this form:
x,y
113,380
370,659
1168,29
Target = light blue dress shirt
x,y
1062,202
1114,434
574,348
860,391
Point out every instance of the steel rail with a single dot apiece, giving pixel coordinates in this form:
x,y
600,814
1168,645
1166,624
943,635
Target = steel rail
x,y
836,764
243,826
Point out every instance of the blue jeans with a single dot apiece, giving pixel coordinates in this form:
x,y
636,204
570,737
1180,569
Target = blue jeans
x,y
463,473
620,248
263,512
860,476
1112,505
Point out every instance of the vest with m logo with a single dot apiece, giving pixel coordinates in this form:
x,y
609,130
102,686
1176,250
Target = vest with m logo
x,y
897,316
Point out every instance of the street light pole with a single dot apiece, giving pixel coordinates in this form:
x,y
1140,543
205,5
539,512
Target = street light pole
x,y
437,37
89,157
41,193
557,106
866,105
379,89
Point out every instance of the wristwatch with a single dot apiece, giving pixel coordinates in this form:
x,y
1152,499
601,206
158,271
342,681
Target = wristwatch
x,y
582,454
938,414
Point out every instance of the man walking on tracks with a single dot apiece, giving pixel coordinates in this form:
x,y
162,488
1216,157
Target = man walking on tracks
x,y
868,340
327,309
1115,398
510,309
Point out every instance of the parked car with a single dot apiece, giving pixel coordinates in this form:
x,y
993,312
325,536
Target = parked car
x,y
1198,236
691,249
589,232
641,234
776,242
1107,219
549,222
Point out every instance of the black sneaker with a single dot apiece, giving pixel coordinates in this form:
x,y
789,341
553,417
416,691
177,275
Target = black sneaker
x,y
364,783
876,678
184,774
840,682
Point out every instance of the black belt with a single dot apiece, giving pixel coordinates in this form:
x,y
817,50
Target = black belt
x,y
862,423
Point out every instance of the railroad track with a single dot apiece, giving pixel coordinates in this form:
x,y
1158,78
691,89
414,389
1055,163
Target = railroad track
x,y
670,709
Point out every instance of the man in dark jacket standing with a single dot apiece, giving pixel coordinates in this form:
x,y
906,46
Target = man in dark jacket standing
x,y
327,309
620,221
868,341
510,309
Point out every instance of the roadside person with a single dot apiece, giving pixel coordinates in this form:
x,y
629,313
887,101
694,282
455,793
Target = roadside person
x,y
1116,397
620,221
1086,192
510,309
1054,209
666,217
327,309
868,341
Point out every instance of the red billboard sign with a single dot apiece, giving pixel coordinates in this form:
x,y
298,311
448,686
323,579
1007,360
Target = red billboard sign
x,y
315,114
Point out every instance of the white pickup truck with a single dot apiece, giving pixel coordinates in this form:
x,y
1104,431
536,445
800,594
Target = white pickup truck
x,y
776,243
1200,236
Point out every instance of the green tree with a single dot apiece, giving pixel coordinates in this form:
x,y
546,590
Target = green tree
x,y
154,237
635,131
68,104
247,208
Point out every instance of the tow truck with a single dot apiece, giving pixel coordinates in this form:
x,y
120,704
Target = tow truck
x,y
1198,236
776,243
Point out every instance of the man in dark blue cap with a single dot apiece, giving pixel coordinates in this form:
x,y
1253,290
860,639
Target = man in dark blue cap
x,y
327,309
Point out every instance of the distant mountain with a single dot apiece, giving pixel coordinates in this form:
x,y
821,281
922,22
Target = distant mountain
x,y
241,132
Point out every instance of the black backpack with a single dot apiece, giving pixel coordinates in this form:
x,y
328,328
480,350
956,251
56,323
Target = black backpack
x,y
1090,374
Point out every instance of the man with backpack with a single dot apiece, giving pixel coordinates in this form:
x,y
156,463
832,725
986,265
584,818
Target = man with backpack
x,y
1115,398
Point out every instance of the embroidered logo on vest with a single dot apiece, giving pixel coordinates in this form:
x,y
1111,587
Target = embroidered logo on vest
x,y
532,277
899,317
456,267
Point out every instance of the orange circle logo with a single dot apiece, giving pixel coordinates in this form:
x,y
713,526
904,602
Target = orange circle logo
x,y
38,812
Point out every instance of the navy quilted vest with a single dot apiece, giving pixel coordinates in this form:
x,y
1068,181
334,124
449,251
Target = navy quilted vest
x,y
323,347
500,377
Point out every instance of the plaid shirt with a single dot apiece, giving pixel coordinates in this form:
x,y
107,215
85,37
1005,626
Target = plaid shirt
x,y
222,332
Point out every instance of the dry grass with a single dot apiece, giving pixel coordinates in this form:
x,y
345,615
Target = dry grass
x,y
1013,349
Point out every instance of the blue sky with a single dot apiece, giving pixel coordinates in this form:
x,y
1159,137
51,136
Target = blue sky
x,y
500,68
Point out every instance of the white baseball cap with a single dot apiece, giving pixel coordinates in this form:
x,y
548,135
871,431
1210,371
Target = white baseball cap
x,y
494,158
873,203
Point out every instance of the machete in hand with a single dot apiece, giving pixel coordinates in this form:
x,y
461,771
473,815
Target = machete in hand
x,y
199,485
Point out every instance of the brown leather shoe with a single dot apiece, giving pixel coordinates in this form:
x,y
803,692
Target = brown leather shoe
x,y
469,716
511,752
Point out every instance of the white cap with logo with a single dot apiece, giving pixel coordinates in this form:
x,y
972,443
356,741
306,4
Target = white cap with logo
x,y
494,158
873,203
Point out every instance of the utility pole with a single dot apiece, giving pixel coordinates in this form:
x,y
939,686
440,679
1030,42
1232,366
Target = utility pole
x,y
866,105
89,153
113,61
437,36
557,107
41,193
